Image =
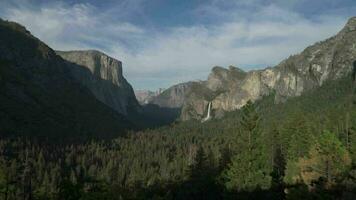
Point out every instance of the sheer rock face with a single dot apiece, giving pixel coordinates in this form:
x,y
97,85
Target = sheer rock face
x,y
172,97
103,78
230,89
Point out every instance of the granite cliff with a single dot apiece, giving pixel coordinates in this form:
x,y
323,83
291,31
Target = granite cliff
x,y
102,75
230,89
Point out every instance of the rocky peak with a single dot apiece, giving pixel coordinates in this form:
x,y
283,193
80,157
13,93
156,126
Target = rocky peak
x,y
218,69
226,72
236,69
220,77
350,25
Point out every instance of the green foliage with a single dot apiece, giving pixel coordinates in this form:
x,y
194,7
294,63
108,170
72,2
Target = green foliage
x,y
328,159
248,169
292,173
2,180
250,153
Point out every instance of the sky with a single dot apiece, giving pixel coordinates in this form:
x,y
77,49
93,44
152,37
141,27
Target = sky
x,y
165,42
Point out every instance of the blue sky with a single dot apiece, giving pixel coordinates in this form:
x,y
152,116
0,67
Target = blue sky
x,y
164,42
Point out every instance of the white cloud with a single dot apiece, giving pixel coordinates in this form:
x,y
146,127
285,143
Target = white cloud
x,y
67,27
158,59
243,43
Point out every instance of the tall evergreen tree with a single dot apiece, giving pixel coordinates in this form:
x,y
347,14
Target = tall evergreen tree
x,y
249,168
200,183
3,181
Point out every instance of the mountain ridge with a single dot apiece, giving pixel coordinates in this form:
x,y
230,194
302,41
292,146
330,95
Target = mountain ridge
x,y
328,59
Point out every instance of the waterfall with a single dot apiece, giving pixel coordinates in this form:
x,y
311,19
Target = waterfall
x,y
209,108
208,115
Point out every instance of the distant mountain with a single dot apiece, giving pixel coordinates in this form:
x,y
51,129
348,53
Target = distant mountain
x,y
230,89
103,76
40,96
163,106
145,96
172,97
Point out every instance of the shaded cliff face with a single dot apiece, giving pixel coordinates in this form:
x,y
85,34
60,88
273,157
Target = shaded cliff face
x,y
172,97
230,89
39,96
103,78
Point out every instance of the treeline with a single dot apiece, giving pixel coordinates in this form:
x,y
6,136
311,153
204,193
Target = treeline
x,y
304,148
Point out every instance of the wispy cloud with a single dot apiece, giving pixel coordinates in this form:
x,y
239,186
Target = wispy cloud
x,y
65,26
249,35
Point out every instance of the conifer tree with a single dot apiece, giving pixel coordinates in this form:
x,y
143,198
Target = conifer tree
x,y
249,168
3,181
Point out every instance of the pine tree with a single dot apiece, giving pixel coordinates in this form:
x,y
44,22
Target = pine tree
x,y
43,191
3,181
249,168
27,177
201,183
300,137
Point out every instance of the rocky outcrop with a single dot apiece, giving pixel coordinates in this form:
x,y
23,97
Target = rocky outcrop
x,y
172,97
230,89
104,79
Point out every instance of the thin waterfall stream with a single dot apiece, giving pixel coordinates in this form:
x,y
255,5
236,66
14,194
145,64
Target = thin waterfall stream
x,y
208,115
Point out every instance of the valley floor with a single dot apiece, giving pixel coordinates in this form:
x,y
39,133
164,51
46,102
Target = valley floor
x,y
302,149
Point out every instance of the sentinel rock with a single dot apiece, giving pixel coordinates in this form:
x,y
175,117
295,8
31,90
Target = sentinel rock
x,y
102,75
230,89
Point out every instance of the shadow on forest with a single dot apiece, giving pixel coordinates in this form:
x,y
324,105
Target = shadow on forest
x,y
154,116
204,181
189,190
204,185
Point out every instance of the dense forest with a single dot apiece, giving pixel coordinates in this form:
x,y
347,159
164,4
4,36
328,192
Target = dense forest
x,y
302,148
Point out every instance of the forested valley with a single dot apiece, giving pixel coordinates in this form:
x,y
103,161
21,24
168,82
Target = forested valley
x,y
304,148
